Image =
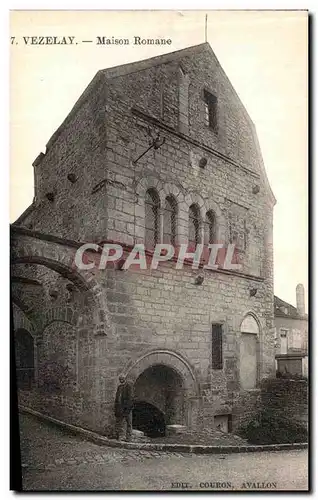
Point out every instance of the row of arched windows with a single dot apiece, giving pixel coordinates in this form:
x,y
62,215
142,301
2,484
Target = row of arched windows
x,y
170,215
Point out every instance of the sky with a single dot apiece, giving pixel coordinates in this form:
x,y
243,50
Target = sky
x,y
264,54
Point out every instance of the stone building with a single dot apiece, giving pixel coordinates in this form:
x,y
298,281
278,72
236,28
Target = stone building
x,y
291,325
157,150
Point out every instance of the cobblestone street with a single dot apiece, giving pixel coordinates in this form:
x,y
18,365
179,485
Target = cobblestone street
x,y
54,460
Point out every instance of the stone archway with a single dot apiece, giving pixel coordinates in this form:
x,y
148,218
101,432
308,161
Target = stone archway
x,y
167,381
160,389
249,352
57,254
93,314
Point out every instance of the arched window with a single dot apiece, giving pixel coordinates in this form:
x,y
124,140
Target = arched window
x,y
152,222
194,226
209,228
24,353
249,352
170,220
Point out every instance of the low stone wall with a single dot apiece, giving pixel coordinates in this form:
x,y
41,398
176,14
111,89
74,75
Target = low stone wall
x,y
187,448
287,398
71,408
247,405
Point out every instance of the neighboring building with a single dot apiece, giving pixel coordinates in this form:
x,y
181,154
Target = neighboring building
x,y
292,335
194,350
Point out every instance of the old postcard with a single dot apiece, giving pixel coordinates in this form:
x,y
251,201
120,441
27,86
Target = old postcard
x,y
159,301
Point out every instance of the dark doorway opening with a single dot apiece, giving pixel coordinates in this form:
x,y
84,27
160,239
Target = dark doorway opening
x,y
161,388
148,419
24,352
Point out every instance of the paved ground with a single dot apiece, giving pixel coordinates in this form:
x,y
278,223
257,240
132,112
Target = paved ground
x,y
54,460
212,437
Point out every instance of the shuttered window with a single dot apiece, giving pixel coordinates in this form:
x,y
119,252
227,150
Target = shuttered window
x,y
210,110
217,354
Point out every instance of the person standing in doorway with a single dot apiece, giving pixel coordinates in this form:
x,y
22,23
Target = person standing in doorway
x,y
123,409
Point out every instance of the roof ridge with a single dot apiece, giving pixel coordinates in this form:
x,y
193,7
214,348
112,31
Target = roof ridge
x,y
284,302
142,64
293,311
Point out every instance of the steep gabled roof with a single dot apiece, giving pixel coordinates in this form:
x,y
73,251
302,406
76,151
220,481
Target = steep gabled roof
x,y
133,67
102,76
283,309
125,69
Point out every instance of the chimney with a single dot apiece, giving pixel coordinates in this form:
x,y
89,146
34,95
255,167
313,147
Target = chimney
x,y
300,299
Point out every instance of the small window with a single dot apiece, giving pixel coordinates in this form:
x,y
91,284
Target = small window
x,y
223,423
210,102
170,220
217,351
283,332
194,226
209,228
152,229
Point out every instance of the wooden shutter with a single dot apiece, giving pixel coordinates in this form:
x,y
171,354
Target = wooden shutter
x,y
217,354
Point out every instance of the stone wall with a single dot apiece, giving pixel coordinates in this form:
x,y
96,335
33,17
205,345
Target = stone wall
x,y
165,309
151,310
286,398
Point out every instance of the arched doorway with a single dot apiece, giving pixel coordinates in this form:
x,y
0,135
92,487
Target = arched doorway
x,y
24,355
166,380
249,352
158,395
